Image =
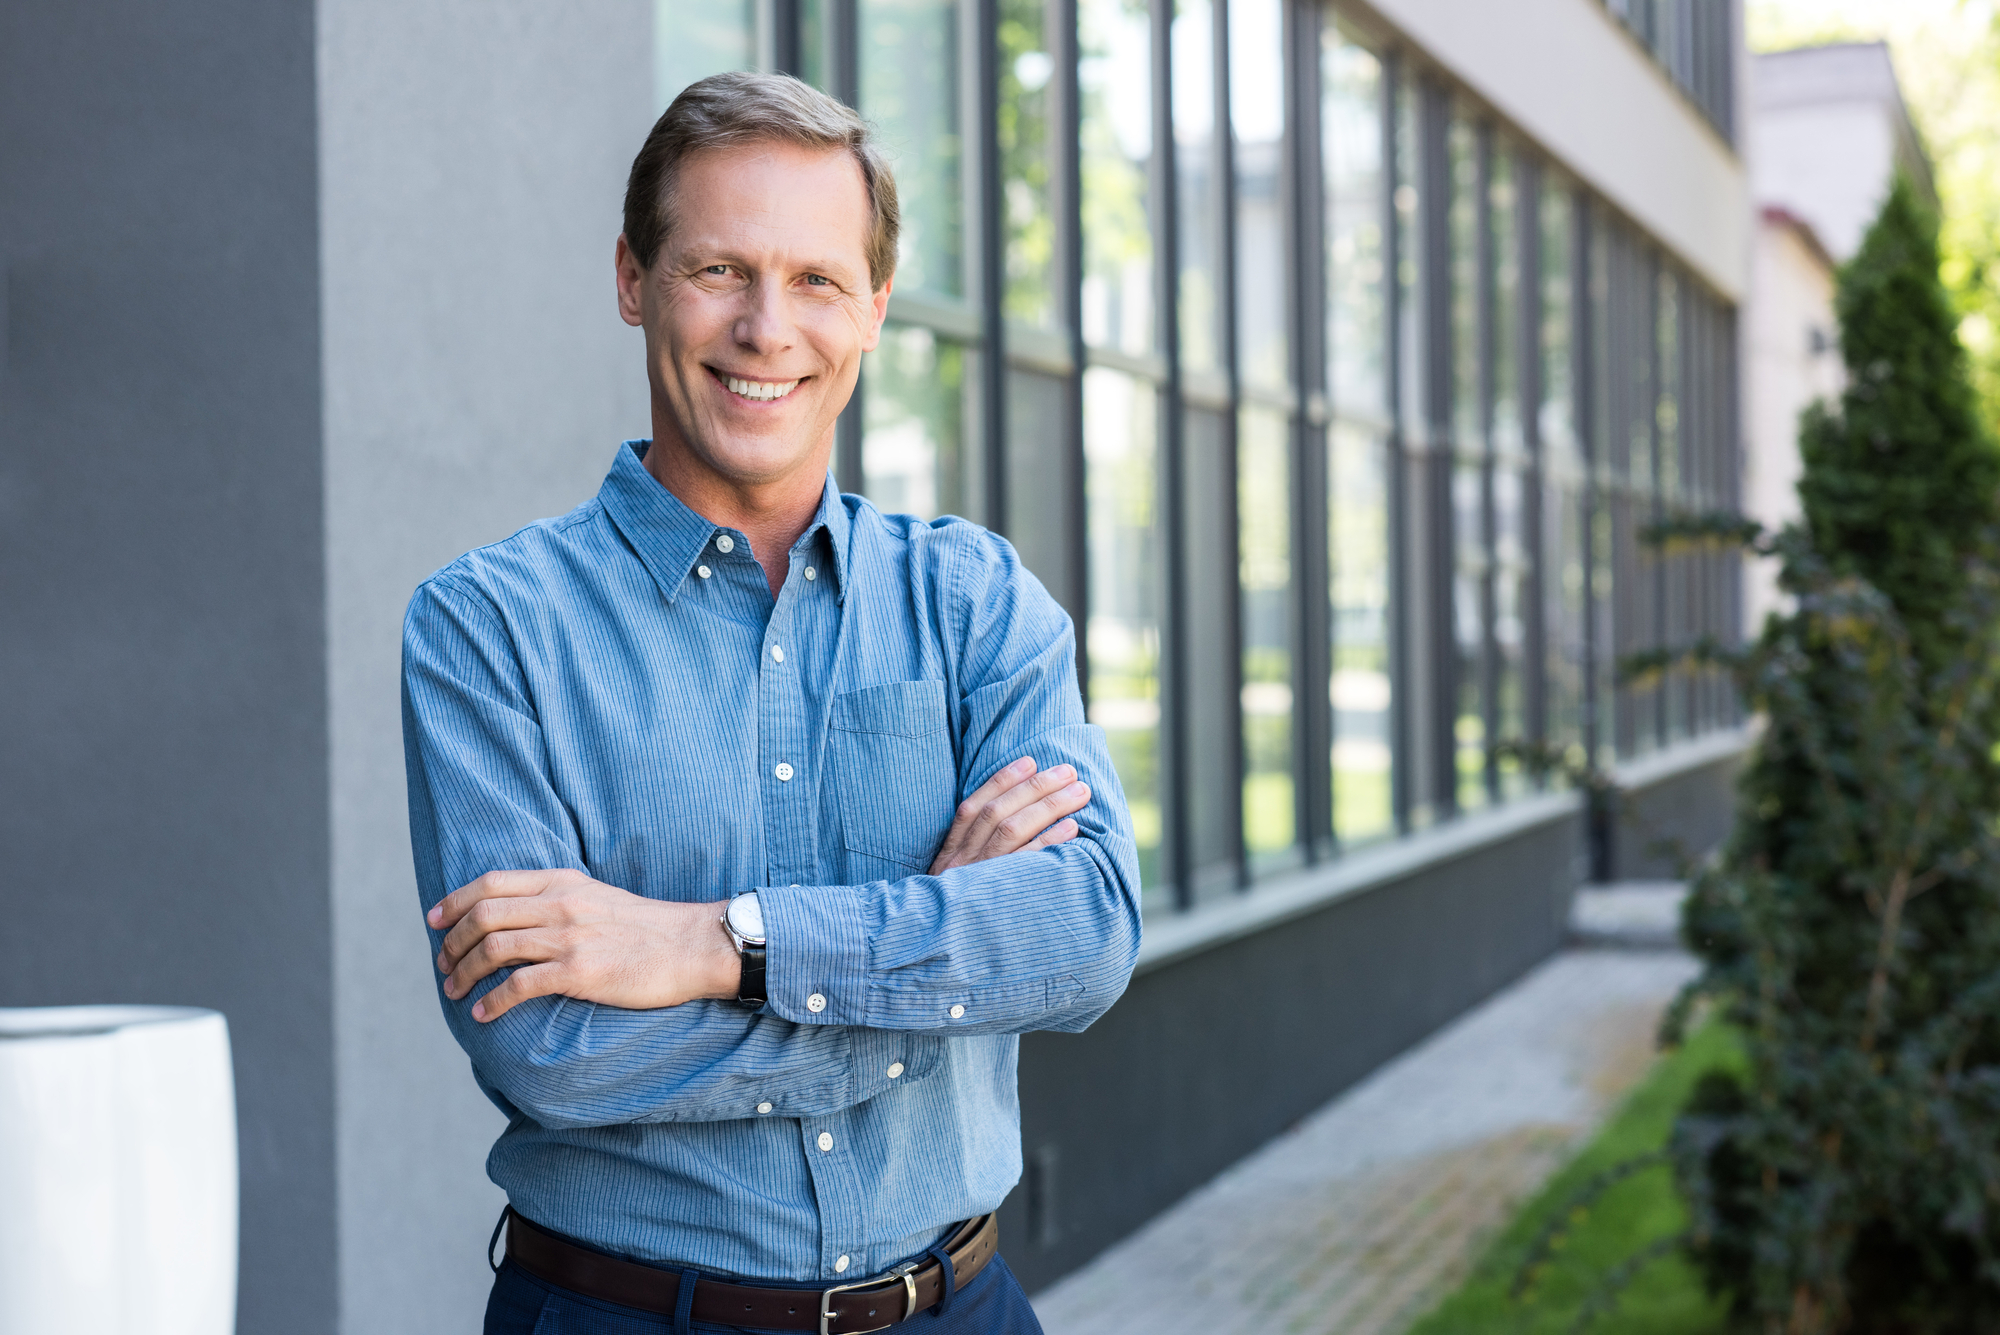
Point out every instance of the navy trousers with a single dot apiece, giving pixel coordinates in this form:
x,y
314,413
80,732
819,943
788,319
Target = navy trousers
x,y
992,1304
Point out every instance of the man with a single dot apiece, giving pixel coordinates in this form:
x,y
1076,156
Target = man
x,y
768,821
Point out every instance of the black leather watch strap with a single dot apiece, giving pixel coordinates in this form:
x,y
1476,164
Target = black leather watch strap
x,y
750,992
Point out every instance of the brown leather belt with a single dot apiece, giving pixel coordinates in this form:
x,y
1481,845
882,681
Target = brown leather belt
x,y
844,1309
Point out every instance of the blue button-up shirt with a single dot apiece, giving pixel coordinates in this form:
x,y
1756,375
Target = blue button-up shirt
x,y
616,691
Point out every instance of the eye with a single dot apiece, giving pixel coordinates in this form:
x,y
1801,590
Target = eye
x,y
818,280
718,270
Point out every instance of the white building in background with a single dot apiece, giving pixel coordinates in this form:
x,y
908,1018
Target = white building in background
x,y
1828,131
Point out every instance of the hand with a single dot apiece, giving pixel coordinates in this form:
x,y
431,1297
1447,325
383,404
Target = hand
x,y
566,934
1015,809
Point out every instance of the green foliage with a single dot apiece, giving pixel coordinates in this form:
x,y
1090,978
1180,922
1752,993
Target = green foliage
x,y
1564,1256
1848,1180
1898,485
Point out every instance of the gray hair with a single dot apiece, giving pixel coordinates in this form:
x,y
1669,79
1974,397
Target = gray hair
x,y
725,110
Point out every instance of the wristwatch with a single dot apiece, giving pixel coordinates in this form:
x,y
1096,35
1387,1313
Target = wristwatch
x,y
744,921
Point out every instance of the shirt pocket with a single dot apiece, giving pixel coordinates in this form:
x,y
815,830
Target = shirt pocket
x,y
893,763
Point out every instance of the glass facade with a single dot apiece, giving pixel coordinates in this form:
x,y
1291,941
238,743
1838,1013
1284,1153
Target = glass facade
x,y
1336,427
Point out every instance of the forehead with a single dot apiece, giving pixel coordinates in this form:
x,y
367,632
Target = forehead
x,y
769,196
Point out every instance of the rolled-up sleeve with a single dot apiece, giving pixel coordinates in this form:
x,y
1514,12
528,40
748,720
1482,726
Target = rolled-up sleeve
x,y
1036,940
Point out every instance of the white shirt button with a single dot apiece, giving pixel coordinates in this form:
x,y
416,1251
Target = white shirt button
x,y
725,543
895,1069
784,772
777,654
958,1012
825,1141
811,573
703,571
840,1265
815,1003
763,1107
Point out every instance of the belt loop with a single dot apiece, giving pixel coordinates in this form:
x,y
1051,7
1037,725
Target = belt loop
x,y
494,1241
950,1280
684,1304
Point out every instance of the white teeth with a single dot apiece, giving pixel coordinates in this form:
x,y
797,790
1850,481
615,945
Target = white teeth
x,y
759,389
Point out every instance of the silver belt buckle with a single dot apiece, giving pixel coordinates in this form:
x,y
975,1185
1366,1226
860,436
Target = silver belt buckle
x,y
905,1272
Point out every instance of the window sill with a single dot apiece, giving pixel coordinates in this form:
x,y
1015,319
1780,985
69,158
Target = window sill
x,y
1171,937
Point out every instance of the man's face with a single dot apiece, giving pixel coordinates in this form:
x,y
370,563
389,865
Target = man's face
x,y
757,309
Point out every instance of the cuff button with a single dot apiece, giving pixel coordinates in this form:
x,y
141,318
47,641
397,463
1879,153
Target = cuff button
x,y
763,1108
895,1069
815,1003
958,1012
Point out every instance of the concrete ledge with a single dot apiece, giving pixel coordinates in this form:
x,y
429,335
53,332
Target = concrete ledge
x,y
1636,776
1281,899
1175,936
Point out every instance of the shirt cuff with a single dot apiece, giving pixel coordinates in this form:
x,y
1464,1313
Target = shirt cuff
x,y
816,953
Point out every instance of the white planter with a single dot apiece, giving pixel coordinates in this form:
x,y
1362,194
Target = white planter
x,y
117,1172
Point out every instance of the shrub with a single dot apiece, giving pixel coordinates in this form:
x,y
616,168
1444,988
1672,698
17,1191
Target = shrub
x,y
1850,1180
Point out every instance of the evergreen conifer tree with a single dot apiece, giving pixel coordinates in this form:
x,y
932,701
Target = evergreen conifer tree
x,y
1850,1180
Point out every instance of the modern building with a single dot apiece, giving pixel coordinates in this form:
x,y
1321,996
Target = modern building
x,y
1828,132
1326,361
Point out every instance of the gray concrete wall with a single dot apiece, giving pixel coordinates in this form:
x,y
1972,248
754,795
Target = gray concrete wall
x,y
162,696
477,377
1665,825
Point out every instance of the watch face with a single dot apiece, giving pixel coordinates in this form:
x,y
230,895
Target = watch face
x,y
746,918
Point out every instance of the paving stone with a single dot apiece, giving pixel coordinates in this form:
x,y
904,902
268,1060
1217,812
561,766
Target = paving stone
x,y
1361,1218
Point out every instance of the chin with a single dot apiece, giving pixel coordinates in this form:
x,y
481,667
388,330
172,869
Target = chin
x,y
757,461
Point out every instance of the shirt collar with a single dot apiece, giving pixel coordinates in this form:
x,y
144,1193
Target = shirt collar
x,y
669,537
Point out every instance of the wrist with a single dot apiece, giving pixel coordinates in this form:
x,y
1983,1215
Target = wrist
x,y
717,970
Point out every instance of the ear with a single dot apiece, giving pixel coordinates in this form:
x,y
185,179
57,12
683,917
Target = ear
x,y
631,284
880,301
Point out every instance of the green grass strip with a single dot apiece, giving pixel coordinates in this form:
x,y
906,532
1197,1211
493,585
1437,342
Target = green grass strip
x,y
1664,1298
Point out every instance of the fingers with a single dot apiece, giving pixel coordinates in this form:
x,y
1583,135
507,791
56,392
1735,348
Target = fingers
x,y
969,810
1060,833
489,916
537,980
495,952
493,885
1027,825
1007,804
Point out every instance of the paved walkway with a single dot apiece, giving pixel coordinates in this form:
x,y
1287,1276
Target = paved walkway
x,y
1359,1220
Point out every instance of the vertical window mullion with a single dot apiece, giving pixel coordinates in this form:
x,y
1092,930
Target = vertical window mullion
x,y
989,253
844,78
1302,191
1402,704
1528,369
1177,790
1487,306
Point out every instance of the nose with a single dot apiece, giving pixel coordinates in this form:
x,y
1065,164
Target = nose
x,y
764,325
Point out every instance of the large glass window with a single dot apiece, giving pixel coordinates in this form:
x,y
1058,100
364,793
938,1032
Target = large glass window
x,y
1122,636
1565,583
1198,213
693,41
1116,76
914,407
1263,497
1027,126
1512,570
910,89
1257,117
1471,586
1355,187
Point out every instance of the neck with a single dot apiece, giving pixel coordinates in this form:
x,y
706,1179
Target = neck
x,y
771,514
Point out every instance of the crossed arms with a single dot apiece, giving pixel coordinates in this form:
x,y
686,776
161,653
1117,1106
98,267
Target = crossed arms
x,y
597,1006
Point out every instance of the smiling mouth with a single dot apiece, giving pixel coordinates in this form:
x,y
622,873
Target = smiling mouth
x,y
757,391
